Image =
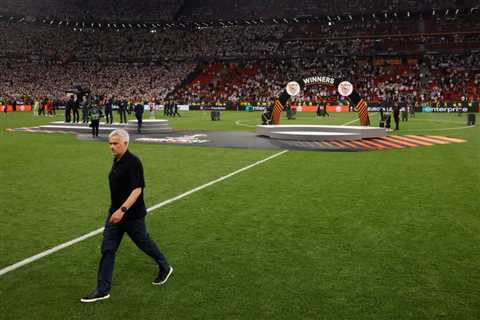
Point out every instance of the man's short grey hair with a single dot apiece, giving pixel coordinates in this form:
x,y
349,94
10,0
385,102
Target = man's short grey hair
x,y
121,133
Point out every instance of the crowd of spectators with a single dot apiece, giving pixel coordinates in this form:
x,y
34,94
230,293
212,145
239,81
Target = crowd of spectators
x,y
443,78
94,10
240,63
122,80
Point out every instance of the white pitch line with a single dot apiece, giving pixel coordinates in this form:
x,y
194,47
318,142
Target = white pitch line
x,y
346,123
354,120
159,205
239,123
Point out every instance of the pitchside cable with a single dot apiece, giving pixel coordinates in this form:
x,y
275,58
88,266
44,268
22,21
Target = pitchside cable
x,y
157,206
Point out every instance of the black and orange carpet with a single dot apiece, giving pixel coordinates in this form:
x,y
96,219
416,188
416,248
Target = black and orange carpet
x,y
241,139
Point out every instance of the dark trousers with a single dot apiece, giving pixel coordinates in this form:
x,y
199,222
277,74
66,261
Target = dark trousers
x,y
108,116
76,115
112,236
95,125
139,119
68,115
123,116
84,115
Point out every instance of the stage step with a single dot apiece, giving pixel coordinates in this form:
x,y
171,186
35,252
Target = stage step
x,y
319,132
149,126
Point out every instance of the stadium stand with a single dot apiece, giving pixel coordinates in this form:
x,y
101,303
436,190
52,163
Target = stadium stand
x,y
424,56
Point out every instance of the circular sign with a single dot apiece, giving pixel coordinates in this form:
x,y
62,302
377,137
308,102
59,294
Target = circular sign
x,y
345,88
293,88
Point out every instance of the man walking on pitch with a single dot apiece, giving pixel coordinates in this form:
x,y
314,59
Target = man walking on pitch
x,y
126,215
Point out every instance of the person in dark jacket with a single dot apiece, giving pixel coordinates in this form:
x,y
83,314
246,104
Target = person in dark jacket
x,y
396,115
76,114
138,109
109,111
68,109
122,110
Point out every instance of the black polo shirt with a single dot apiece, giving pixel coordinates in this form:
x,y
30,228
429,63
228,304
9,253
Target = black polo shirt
x,y
125,176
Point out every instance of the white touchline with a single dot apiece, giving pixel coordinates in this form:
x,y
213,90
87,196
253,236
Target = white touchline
x,y
159,205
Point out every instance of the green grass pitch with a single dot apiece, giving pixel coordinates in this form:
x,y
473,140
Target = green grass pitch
x,y
308,235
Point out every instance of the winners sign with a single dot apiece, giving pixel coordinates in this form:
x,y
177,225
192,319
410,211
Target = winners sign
x,y
344,88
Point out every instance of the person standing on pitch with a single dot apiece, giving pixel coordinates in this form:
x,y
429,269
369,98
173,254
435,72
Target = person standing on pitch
x,y
404,110
139,108
122,110
109,111
36,106
126,215
95,114
84,105
396,114
76,114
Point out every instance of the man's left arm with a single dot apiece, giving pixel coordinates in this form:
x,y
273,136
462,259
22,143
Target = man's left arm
x,y
118,215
